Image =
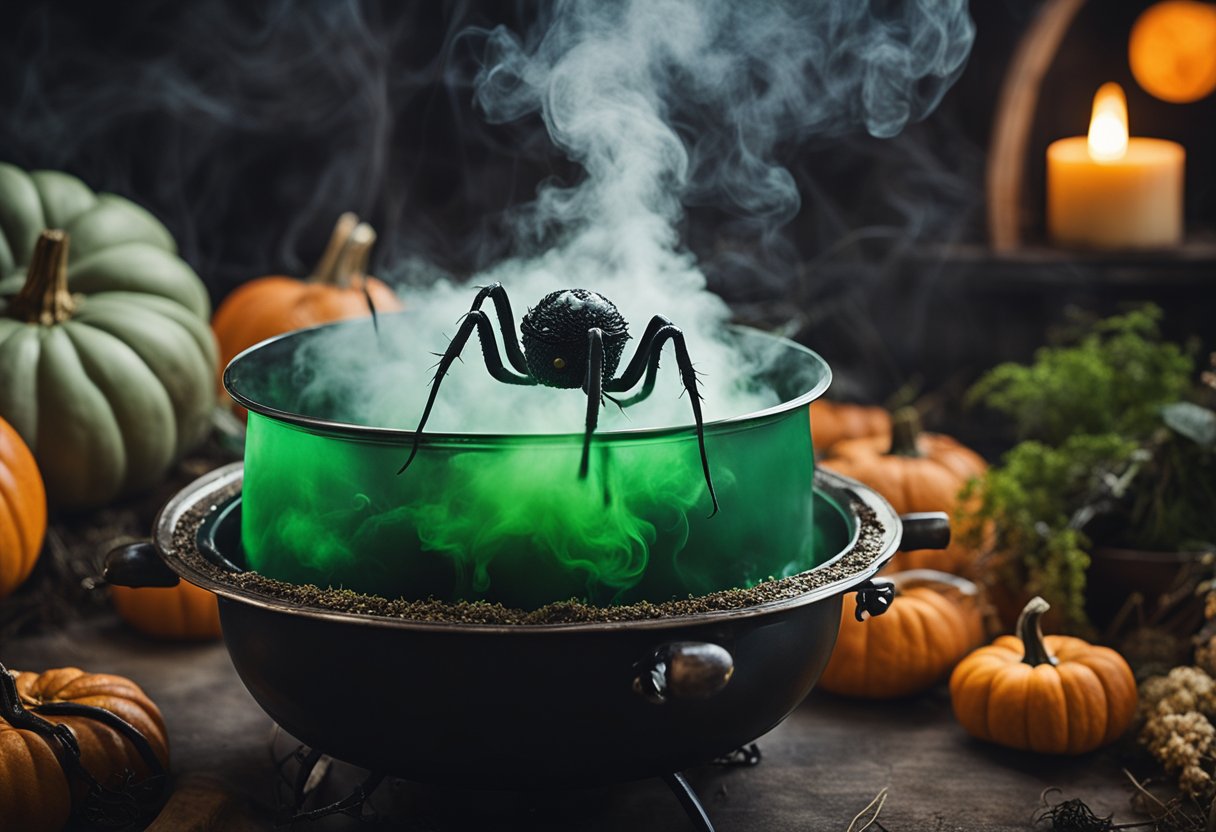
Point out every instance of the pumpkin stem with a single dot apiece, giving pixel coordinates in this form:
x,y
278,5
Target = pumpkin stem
x,y
324,272
351,268
905,431
45,299
1031,634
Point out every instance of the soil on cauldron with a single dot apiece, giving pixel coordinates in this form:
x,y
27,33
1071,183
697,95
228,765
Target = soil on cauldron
x,y
573,611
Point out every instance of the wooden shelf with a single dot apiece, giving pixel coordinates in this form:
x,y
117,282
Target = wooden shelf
x,y
1191,264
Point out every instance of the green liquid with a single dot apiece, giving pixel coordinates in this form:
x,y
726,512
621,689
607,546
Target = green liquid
x,y
510,521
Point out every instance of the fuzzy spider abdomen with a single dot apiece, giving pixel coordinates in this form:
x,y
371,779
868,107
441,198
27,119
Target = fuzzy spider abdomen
x,y
555,336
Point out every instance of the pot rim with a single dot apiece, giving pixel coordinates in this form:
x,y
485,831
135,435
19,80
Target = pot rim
x,y
211,489
401,435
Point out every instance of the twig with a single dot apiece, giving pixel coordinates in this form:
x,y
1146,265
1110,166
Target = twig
x,y
876,804
1167,817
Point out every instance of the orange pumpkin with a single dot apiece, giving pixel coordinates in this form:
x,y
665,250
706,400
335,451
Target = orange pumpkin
x,y
833,421
273,305
933,622
1054,695
182,612
61,745
915,472
22,510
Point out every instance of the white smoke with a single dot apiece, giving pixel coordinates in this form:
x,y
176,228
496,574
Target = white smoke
x,y
662,103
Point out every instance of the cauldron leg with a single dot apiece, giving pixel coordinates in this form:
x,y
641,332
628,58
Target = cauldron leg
x,y
299,793
351,805
689,800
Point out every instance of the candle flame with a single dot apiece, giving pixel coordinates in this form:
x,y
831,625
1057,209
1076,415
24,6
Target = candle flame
x,y
1108,126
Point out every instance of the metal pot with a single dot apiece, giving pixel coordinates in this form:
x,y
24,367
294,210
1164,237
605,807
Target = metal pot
x,y
505,517
526,705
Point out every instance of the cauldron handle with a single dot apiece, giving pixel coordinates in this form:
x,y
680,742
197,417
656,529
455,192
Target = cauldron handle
x,y
683,670
925,530
138,565
874,597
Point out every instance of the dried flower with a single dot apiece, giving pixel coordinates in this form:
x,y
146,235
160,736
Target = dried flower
x,y
1184,689
1195,781
1176,729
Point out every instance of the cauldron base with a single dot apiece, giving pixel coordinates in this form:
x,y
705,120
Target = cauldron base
x,y
358,788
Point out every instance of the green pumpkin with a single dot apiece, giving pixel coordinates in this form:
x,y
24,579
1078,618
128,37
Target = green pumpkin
x,y
116,245
108,388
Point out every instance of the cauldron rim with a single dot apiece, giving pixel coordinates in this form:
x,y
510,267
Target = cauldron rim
x,y
402,435
212,488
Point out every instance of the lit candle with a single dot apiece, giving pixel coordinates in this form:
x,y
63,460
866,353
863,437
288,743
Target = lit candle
x,y
1108,191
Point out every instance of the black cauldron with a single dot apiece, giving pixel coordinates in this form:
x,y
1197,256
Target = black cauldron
x,y
518,706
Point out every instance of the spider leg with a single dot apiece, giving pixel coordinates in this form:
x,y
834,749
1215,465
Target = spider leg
x,y
594,386
506,323
371,307
657,334
638,364
478,320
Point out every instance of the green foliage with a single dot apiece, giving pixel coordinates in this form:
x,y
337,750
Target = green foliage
x,y
1030,503
1173,502
1111,454
1114,380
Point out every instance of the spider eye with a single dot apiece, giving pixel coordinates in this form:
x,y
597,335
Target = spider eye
x,y
559,363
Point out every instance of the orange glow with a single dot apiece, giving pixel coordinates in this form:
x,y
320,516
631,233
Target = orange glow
x,y
1108,126
1172,50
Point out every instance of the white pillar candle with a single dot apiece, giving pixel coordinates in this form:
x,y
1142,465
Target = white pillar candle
x,y
1108,191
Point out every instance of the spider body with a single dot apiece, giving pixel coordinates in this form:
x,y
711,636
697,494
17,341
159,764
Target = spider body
x,y
554,335
572,338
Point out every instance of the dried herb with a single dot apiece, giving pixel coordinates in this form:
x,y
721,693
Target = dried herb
x,y
1071,815
1074,815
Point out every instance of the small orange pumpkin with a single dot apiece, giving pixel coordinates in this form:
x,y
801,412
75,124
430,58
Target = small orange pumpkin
x,y
183,612
915,472
1053,695
67,738
833,421
22,510
273,305
933,622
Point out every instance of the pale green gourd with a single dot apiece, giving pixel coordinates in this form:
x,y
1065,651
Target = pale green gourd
x,y
116,245
107,374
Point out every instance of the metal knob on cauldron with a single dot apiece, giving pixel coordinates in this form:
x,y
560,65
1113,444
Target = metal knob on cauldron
x,y
684,670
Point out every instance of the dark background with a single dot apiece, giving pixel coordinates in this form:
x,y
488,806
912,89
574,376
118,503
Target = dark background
x,y
248,126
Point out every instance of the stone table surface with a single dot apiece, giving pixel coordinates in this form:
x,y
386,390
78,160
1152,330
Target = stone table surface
x,y
820,767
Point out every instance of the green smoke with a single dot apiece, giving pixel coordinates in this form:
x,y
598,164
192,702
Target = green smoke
x,y
510,521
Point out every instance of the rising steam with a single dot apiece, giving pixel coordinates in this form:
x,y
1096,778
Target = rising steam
x,y
661,103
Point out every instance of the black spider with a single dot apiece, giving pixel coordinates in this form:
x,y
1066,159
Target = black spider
x,y
572,338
